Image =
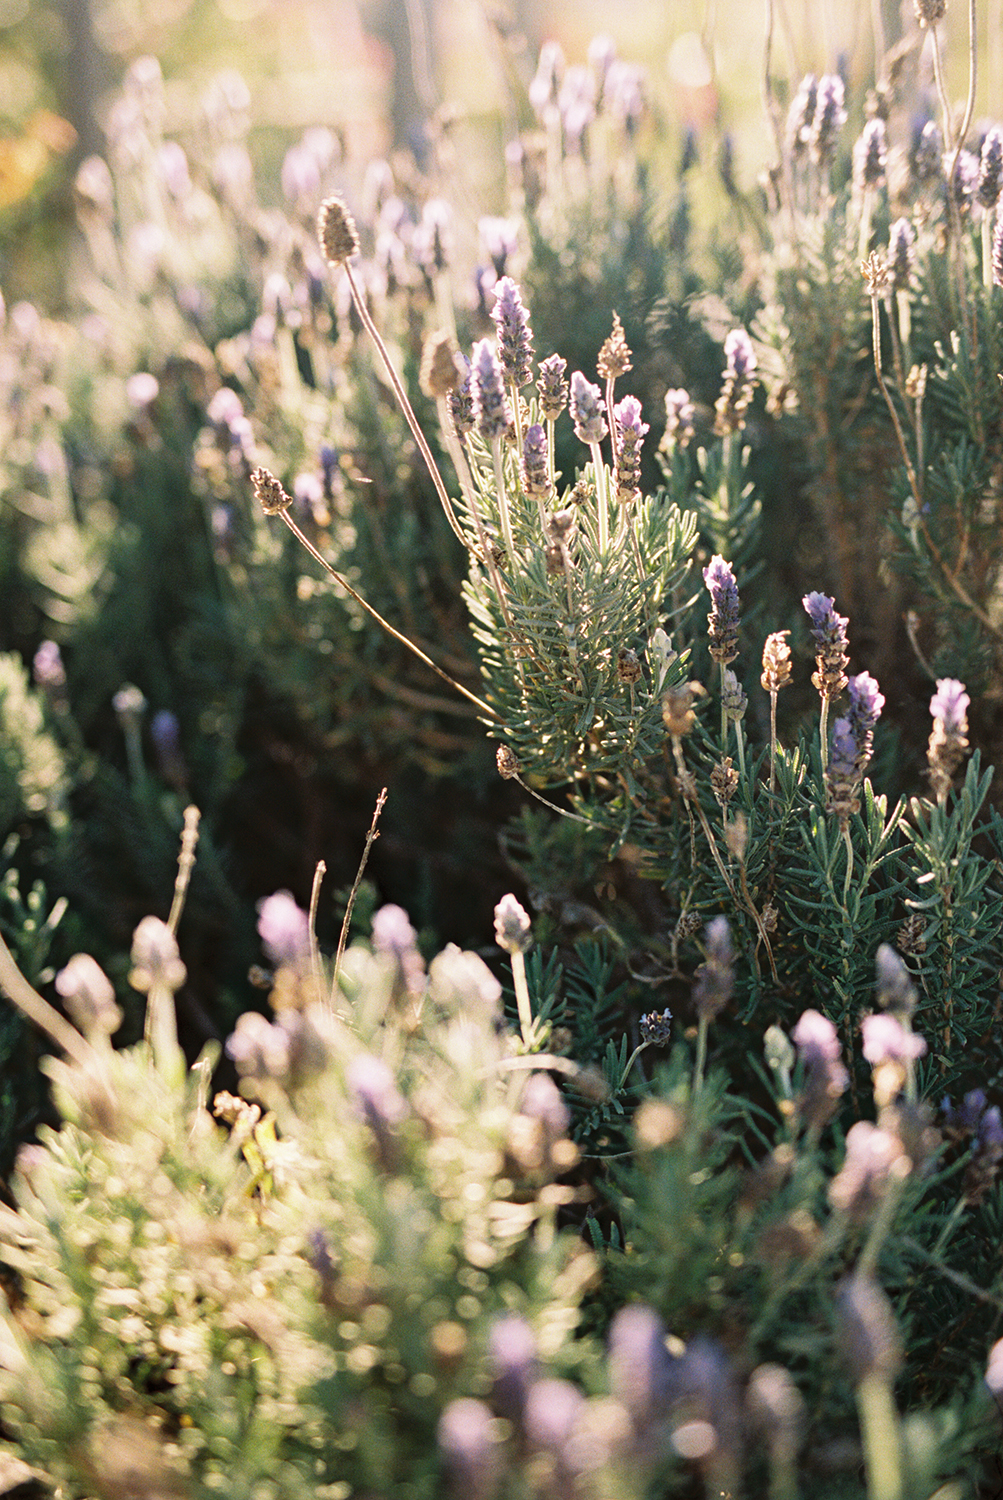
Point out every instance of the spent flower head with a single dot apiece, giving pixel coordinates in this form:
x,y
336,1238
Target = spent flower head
x,y
715,978
513,929
896,991
949,738
155,957
89,997
776,662
336,231
615,355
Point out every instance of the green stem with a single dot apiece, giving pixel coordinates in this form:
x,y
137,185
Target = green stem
x,y
503,511
879,1428
701,1059
602,497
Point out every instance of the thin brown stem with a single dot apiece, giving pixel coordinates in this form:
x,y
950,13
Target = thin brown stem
x,y
375,614
371,838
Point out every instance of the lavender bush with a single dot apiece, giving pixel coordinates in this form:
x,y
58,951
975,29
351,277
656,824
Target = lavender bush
x,y
694,1187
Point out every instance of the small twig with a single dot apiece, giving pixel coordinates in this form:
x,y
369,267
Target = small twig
x,y
338,578
186,863
315,964
43,1015
371,838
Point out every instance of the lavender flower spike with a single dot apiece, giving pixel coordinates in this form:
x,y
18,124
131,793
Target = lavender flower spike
x,y
587,407
831,646
739,378
901,261
487,382
724,615
552,387
866,703
830,117
869,155
841,777
990,170
630,432
515,337
949,740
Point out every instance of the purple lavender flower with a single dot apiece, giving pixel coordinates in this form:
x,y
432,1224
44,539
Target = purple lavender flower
x,y
630,432
843,751
740,357
623,93
831,646
723,619
587,407
552,387
284,929
491,408
987,190
870,156
576,102
513,929
679,414
515,337
871,1157
887,1040
926,156
549,71
432,241
997,257
866,703
656,1027
372,1086
901,262
541,1100
639,1363
468,1443
48,670
512,1356
829,118
949,738
142,389
825,1077
715,978
500,238
896,991
868,1337
393,934
460,402
966,1118
965,180
801,115
165,733
553,1409
739,379
535,476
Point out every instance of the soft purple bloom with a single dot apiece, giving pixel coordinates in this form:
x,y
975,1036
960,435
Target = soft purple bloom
x,y
639,1362
47,668
826,625
284,929
723,619
623,93
866,703
887,1040
468,1443
740,357
843,751
871,1157
392,931
432,242
901,261
679,414
587,407
997,257
553,1409
552,386
927,153
372,1086
89,997
830,117
536,477
825,1077
165,733
515,337
576,102
259,1048
491,408
994,1370
990,170
549,71
142,389
950,705
461,401
990,1137
966,177
541,1100
715,978
896,991
500,238
870,155
627,415
512,1356
801,114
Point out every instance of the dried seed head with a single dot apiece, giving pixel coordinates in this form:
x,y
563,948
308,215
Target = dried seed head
x,y
734,699
678,713
553,557
269,493
507,763
561,526
339,238
911,936
656,1027
614,356
875,274
776,662
441,371
628,665
929,12
724,781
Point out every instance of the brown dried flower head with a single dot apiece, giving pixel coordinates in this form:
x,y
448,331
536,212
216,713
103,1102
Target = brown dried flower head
x,y
776,662
678,713
508,765
336,231
440,371
615,354
269,493
875,274
929,12
628,665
